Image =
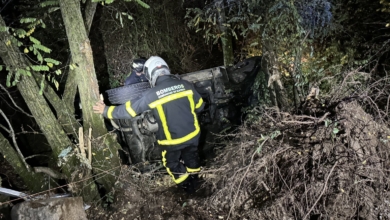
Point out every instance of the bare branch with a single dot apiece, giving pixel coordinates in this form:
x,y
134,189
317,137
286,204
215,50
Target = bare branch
x,y
13,102
6,129
50,172
12,133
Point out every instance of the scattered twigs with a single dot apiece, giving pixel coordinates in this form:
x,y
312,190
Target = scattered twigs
x,y
323,191
376,108
12,133
342,85
243,177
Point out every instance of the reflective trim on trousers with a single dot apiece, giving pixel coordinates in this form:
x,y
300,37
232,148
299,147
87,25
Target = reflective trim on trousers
x,y
181,178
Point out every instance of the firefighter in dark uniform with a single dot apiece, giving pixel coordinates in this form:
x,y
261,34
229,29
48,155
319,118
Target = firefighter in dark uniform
x,y
137,75
175,104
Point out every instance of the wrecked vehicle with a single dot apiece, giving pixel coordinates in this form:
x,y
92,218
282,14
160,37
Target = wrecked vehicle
x,y
224,90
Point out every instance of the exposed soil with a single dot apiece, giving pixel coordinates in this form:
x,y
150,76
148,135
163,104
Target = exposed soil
x,y
151,197
329,164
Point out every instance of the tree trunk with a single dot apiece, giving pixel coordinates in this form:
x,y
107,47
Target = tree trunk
x,y
42,113
64,107
106,157
35,182
64,110
226,36
90,10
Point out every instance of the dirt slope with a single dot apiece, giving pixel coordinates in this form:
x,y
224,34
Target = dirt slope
x,y
330,163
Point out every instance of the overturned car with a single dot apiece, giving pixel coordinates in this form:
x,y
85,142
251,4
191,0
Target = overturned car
x,y
224,90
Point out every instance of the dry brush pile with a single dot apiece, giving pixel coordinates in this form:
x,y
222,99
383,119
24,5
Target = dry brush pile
x,y
331,161
328,161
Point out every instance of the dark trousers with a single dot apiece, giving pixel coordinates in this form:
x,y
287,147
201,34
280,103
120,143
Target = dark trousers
x,y
181,171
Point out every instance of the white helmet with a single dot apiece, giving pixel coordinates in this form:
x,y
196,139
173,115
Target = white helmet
x,y
154,67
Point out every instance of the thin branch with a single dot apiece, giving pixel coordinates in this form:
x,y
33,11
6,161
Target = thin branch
x,y
387,105
323,191
13,102
50,172
35,155
12,133
316,120
6,129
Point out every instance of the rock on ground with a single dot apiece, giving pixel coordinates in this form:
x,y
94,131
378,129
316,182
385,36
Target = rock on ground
x,y
53,209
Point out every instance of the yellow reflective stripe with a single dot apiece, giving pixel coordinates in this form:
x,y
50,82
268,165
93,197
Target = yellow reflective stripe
x,y
181,178
179,140
178,180
170,98
164,122
199,103
158,104
109,111
193,170
130,110
188,136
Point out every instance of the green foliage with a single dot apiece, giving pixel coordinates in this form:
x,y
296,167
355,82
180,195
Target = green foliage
x,y
30,47
109,199
289,34
263,139
143,4
21,33
50,60
3,29
140,2
119,14
39,68
41,48
27,20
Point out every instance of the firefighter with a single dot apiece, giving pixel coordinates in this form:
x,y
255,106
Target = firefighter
x,y
175,104
137,75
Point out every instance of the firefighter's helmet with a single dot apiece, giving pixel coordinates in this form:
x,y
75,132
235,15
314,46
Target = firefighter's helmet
x,y
154,67
138,65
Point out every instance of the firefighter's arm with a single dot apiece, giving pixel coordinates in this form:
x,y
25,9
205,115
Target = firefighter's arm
x,y
199,104
125,111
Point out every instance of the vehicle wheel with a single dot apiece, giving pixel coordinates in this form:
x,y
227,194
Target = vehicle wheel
x,y
123,94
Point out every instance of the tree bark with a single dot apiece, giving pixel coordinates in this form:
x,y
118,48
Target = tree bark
x,y
106,157
43,115
34,182
64,110
226,36
90,10
64,117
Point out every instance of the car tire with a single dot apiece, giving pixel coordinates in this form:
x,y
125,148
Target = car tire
x,y
123,94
